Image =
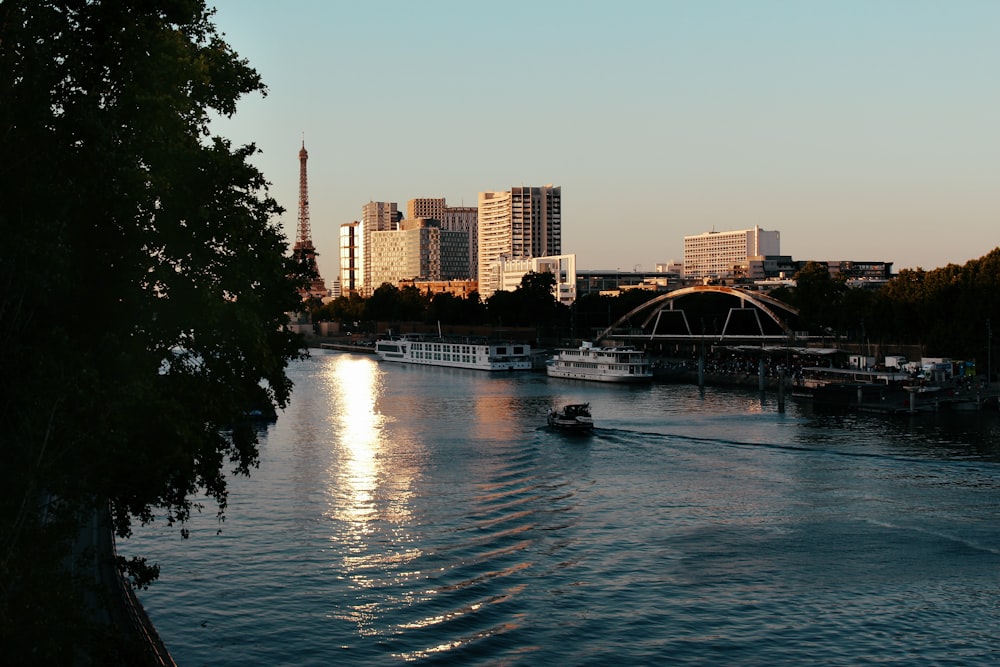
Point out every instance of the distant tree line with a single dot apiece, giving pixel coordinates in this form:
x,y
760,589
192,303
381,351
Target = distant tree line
x,y
947,311
530,304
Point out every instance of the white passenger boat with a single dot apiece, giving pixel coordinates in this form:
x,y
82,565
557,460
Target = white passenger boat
x,y
474,353
604,364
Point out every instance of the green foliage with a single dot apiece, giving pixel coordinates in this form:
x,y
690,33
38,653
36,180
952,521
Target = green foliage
x,y
538,283
145,283
946,311
389,304
412,303
349,308
818,296
531,304
503,309
450,309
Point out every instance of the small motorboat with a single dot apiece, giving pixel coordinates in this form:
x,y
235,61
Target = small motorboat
x,y
573,417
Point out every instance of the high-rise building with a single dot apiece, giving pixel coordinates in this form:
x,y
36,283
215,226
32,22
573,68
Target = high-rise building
x,y
521,223
350,257
715,254
418,250
424,208
376,216
452,218
464,219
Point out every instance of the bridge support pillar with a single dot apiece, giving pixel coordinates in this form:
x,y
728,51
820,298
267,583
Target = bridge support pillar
x,y
781,392
701,369
760,374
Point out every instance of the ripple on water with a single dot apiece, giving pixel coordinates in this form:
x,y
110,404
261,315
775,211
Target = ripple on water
x,y
401,515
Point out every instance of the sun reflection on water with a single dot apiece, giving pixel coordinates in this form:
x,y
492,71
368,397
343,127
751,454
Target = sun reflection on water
x,y
357,469
370,491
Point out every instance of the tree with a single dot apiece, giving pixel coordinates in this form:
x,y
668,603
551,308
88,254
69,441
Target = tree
x,y
502,309
817,296
592,312
413,304
350,308
384,305
145,285
531,304
537,304
542,283
471,309
445,307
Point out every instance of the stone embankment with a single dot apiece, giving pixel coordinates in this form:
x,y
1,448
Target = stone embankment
x,y
113,602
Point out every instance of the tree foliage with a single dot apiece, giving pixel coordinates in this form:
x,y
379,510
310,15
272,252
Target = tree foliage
x,y
947,311
389,303
818,296
450,309
144,278
531,304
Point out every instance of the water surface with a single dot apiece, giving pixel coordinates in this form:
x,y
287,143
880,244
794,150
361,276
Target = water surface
x,y
413,514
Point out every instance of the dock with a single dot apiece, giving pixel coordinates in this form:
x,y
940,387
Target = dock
x,y
345,347
882,399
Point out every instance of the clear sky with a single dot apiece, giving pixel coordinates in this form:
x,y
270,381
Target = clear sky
x,y
860,130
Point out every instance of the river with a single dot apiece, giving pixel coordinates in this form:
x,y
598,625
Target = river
x,y
418,514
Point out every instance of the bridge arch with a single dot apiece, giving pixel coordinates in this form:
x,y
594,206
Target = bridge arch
x,y
776,312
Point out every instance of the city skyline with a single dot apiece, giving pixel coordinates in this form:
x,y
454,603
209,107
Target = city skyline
x,y
860,131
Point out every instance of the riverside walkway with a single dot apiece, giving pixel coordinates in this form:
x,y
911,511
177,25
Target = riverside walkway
x,y
111,600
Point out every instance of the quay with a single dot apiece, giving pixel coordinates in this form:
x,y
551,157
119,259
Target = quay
x,y
881,399
347,347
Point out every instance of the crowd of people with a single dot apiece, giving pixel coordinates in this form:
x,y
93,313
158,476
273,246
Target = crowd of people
x,y
736,365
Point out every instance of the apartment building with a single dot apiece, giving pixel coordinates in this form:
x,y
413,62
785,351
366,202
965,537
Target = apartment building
x,y
419,249
521,223
376,216
452,218
425,208
350,257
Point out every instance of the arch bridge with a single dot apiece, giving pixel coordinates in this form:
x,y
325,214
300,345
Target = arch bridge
x,y
756,319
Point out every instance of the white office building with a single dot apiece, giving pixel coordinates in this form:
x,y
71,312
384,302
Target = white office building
x,y
715,254
562,267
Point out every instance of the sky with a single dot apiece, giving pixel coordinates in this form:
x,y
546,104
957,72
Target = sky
x,y
864,130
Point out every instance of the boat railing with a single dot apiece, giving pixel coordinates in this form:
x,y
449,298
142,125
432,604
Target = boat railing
x,y
453,339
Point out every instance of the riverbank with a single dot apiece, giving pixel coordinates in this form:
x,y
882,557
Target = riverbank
x,y
873,398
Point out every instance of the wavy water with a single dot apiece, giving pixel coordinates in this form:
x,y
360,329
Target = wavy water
x,y
410,514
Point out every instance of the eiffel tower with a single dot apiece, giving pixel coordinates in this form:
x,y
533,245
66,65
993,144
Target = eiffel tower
x,y
303,249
